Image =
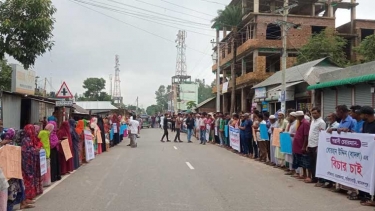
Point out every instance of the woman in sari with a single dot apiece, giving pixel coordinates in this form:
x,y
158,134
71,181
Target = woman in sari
x,y
38,180
79,130
44,139
54,156
102,133
75,140
29,150
66,166
115,129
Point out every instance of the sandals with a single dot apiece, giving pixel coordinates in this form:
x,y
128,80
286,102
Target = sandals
x,y
353,196
308,180
368,203
27,206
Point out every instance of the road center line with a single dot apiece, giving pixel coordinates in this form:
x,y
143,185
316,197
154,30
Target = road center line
x,y
174,147
189,165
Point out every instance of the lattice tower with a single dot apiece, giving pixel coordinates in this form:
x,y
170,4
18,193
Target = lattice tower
x,y
181,56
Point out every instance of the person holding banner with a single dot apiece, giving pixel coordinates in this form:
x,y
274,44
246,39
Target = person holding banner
x,y
274,124
282,123
245,135
261,142
66,166
291,129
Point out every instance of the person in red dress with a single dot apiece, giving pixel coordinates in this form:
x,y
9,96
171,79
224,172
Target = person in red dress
x,y
66,166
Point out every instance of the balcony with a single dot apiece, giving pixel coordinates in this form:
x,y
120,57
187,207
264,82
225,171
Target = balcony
x,y
251,78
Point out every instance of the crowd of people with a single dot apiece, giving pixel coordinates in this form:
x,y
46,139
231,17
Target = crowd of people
x,y
106,132
303,126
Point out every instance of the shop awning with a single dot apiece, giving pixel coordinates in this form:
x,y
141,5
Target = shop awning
x,y
342,82
278,88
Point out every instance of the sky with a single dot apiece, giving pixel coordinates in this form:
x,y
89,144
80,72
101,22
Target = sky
x,y
86,42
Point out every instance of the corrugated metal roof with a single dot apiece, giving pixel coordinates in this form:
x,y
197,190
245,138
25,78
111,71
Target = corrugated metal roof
x,y
204,102
342,82
96,105
296,73
79,110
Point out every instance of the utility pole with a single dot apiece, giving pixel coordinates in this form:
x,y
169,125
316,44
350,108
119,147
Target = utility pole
x,y
285,28
136,110
218,71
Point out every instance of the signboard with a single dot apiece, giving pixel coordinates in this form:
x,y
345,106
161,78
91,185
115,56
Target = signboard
x,y
260,92
225,87
64,92
348,159
264,106
23,81
188,92
234,137
89,146
64,103
43,162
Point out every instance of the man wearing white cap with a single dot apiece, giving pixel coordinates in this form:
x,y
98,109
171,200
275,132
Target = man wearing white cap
x,y
291,129
282,123
300,158
274,124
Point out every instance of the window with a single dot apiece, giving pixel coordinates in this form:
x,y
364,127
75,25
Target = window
x,y
273,63
317,29
273,32
229,46
365,33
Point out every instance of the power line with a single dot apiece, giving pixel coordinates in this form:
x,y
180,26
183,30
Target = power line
x,y
172,10
166,39
117,11
187,8
214,2
153,12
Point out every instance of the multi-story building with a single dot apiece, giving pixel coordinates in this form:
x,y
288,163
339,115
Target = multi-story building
x,y
259,41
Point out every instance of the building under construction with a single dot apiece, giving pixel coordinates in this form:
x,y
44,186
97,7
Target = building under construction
x,y
259,41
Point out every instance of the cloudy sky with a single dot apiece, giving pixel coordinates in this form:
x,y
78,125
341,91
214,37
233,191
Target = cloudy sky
x,y
87,38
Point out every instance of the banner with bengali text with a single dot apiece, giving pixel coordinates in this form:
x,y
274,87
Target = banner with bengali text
x,y
89,146
43,162
348,159
234,137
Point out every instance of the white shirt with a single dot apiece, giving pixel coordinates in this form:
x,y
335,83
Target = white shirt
x,y
258,133
162,120
133,126
333,125
315,127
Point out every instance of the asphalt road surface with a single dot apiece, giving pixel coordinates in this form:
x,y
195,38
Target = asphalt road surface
x,y
184,177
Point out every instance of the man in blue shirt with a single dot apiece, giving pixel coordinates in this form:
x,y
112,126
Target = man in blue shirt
x,y
53,117
355,113
347,123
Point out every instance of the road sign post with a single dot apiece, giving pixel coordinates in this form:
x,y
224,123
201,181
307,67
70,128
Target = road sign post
x,y
64,92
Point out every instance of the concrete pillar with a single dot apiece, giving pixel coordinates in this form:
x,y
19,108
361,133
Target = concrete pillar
x,y
224,32
255,63
353,14
313,9
243,100
330,10
243,66
256,6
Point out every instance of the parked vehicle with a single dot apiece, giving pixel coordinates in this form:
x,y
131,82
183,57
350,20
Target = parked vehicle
x,y
146,122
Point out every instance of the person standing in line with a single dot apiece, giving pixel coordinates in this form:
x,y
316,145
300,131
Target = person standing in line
x,y
299,144
291,129
221,129
317,125
245,134
262,143
254,118
196,124
134,129
266,116
282,123
53,117
165,127
355,113
190,127
202,126
226,130
273,124
216,128
178,128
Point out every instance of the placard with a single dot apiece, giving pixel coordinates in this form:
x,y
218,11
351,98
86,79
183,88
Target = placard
x,y
276,137
89,146
263,132
10,161
348,159
286,143
43,161
66,149
234,138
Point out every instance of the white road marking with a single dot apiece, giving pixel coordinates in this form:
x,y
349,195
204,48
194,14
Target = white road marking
x,y
45,191
174,147
189,165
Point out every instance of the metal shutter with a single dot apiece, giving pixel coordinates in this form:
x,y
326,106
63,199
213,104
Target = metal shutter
x,y
344,96
363,95
12,111
34,114
329,101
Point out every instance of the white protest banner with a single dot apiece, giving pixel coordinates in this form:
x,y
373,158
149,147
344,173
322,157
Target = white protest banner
x,y
216,131
43,162
89,146
234,137
208,128
348,159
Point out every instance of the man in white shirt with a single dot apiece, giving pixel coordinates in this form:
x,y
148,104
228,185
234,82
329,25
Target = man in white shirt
x,y
133,129
317,125
162,122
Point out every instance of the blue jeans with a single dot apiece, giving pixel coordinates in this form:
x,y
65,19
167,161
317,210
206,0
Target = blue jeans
x,y
189,133
203,136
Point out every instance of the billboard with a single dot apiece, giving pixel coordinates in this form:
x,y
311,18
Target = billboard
x,y
188,92
23,81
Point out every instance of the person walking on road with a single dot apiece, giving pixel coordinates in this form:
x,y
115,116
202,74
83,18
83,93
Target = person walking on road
x,y
190,127
134,129
165,127
178,128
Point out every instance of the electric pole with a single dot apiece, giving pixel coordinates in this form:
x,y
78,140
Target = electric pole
x,y
218,71
285,28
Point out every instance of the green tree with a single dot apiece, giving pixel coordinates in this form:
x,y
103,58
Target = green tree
x,y
231,16
191,104
367,49
26,29
152,109
5,76
103,96
324,44
204,91
162,98
94,87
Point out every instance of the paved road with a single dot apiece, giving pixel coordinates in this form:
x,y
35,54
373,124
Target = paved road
x,y
155,177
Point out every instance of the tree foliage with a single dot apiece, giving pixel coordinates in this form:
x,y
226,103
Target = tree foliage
x,y
94,90
5,76
191,104
162,98
367,49
26,29
204,91
153,109
324,44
